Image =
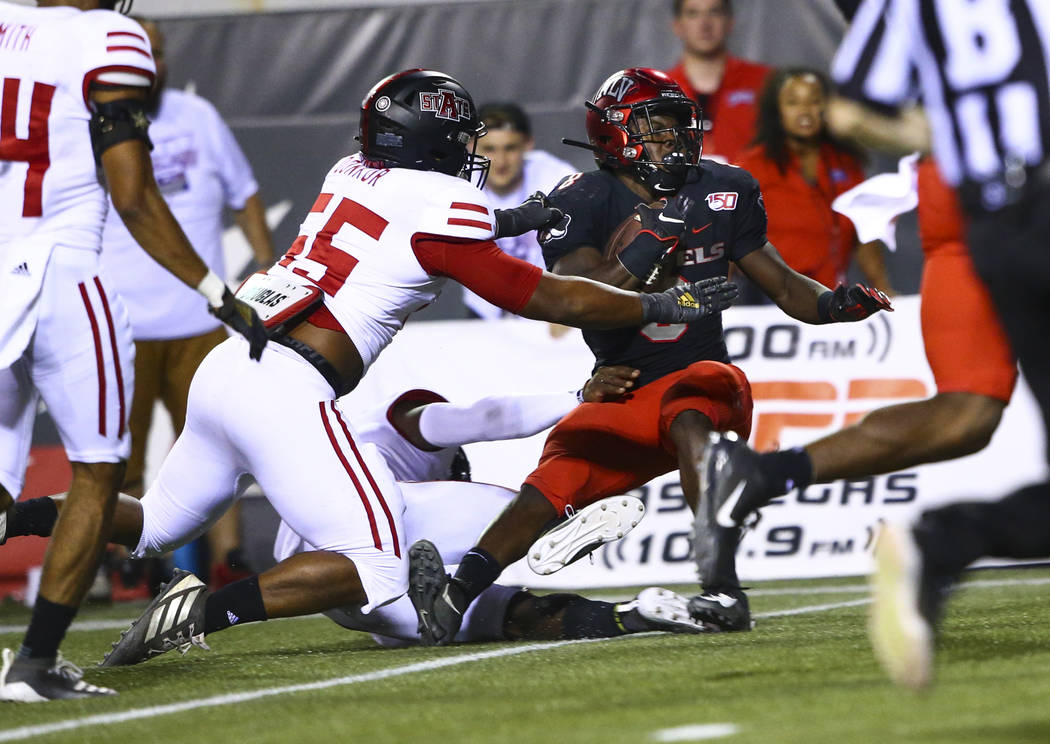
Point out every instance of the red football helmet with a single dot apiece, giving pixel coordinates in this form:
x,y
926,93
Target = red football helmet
x,y
633,111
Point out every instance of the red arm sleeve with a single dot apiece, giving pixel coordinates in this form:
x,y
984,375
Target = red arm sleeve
x,y
480,266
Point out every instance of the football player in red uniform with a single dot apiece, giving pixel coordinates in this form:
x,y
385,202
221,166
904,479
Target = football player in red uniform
x,y
646,136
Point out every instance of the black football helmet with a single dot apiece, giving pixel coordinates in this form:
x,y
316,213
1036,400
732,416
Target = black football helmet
x,y
121,6
622,121
424,120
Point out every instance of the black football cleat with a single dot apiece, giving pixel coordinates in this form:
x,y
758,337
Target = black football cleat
x,y
437,598
733,482
722,610
174,619
40,680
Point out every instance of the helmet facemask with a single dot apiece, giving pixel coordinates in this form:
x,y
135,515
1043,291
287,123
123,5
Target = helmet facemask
x,y
663,141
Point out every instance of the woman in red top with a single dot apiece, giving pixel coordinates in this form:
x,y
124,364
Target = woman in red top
x,y
801,168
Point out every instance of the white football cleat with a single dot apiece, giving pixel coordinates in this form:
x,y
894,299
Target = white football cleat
x,y
662,609
603,521
900,633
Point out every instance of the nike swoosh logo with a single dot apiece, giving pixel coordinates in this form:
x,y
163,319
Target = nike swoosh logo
x,y
448,601
662,218
725,512
701,229
725,600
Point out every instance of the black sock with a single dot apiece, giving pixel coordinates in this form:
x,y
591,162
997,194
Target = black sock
x,y
239,602
585,618
476,573
33,517
787,469
46,630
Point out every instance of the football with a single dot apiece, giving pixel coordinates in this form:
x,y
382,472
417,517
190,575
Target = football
x,y
622,236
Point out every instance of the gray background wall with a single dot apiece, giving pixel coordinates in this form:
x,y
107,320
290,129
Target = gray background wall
x,y
290,83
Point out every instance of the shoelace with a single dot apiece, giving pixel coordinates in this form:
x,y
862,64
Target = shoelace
x,y
67,669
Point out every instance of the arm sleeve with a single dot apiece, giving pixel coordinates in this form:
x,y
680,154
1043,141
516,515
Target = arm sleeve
x,y
493,418
875,61
481,267
116,51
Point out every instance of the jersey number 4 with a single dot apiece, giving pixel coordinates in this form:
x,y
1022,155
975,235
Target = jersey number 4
x,y
34,148
317,259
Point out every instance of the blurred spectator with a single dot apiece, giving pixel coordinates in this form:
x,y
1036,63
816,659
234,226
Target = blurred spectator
x,y
200,170
517,171
726,87
801,168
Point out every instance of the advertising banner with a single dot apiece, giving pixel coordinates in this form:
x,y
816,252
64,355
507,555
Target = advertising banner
x,y
807,381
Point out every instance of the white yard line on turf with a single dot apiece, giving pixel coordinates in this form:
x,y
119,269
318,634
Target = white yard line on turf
x,y
26,732
696,732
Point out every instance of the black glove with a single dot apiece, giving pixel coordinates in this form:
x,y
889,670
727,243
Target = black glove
x,y
240,316
685,303
848,304
661,229
535,213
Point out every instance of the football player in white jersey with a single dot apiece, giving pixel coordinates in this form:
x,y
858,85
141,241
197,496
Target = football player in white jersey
x,y
391,225
420,436
75,80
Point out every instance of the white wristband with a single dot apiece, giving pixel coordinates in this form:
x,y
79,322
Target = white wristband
x,y
213,288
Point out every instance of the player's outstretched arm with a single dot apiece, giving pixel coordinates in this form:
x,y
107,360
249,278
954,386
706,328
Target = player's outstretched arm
x,y
806,299
118,136
498,417
587,304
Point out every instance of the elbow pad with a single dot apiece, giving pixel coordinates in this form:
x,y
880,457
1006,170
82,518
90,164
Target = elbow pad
x,y
117,121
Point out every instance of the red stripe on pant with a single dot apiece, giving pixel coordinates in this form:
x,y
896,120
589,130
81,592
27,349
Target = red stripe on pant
x,y
98,360
349,471
122,421
371,480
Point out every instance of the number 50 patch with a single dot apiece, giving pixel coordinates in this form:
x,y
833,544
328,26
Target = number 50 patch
x,y
722,201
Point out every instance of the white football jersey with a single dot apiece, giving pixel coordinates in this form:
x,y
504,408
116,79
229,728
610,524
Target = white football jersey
x,y
49,57
407,462
356,244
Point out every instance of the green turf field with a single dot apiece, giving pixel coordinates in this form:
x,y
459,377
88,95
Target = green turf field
x,y
805,674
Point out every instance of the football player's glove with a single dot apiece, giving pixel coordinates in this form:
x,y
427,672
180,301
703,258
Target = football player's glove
x,y
239,316
535,213
849,304
658,238
685,303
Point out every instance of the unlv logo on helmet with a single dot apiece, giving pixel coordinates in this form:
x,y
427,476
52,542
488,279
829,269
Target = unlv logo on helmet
x,y
615,87
444,104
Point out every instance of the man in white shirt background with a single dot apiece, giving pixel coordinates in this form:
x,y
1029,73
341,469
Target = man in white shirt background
x,y
201,171
517,171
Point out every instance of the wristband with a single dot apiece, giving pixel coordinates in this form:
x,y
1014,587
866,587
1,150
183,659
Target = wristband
x,y
213,288
824,306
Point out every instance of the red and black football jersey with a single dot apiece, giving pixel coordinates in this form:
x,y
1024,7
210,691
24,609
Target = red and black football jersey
x,y
726,222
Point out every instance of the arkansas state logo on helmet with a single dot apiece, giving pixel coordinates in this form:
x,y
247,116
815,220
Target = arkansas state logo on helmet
x,y
424,120
641,119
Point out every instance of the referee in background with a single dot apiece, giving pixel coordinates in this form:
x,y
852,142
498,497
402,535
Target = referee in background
x,y
979,70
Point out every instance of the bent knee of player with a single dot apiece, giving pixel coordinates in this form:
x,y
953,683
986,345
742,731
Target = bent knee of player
x,y
971,420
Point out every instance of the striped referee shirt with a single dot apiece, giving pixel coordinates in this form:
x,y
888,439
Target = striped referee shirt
x,y
979,67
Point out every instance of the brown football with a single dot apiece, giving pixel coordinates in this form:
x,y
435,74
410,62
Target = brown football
x,y
624,233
